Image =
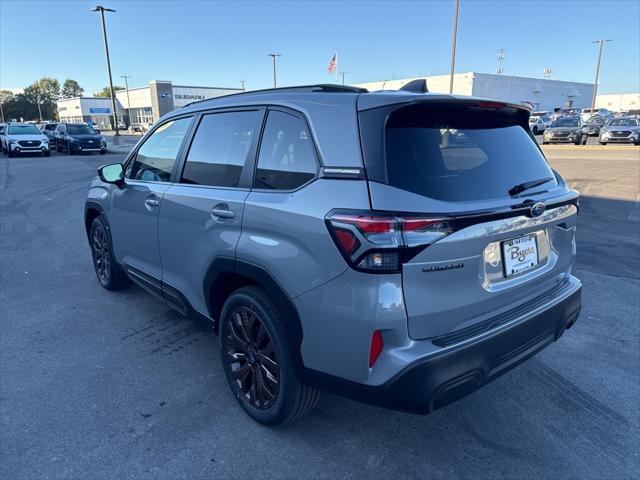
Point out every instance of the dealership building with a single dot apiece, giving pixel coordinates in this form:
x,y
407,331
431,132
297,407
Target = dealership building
x,y
542,93
136,105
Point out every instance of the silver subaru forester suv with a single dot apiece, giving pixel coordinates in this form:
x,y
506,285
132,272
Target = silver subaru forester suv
x,y
398,248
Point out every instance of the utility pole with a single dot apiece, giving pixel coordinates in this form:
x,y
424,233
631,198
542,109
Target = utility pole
x,y
273,56
453,44
1,111
595,87
242,82
101,9
126,84
38,102
343,73
500,58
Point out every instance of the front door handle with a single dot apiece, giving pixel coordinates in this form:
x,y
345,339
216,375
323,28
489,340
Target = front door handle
x,y
151,202
222,211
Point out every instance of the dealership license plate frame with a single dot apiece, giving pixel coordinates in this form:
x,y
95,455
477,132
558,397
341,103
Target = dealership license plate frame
x,y
530,238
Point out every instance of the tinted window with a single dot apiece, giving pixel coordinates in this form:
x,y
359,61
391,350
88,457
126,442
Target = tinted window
x,y
287,157
457,153
219,148
155,158
80,130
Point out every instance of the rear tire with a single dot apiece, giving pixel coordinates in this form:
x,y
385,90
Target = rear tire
x,y
603,143
545,143
257,355
535,130
109,273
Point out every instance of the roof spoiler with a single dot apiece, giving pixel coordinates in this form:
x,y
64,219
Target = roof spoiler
x,y
416,86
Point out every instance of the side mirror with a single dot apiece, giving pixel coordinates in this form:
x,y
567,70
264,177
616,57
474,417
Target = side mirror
x,y
113,173
96,130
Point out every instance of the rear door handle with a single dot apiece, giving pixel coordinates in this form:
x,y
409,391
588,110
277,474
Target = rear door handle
x,y
222,211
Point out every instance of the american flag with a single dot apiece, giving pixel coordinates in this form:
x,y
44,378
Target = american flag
x,y
333,64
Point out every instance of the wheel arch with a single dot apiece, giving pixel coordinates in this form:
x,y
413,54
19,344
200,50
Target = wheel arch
x,y
92,210
225,275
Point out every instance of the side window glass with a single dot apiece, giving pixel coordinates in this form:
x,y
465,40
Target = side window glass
x,y
287,158
220,148
156,157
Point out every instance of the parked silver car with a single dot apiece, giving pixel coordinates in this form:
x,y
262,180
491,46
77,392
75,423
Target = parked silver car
x,y
401,249
620,130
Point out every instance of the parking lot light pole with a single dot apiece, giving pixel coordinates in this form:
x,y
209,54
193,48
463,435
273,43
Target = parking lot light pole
x,y
101,9
274,55
595,87
242,82
126,84
453,44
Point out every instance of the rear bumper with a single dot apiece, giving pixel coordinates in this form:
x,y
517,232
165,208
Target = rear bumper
x,y
433,382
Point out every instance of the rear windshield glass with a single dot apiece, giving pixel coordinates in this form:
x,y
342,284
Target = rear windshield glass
x,y
460,153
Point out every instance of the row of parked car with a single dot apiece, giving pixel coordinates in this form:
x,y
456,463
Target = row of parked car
x,y
17,138
575,126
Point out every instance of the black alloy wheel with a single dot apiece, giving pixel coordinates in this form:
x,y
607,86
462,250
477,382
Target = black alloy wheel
x,y
249,352
101,253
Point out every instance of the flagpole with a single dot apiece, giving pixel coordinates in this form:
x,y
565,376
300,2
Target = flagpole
x,y
337,67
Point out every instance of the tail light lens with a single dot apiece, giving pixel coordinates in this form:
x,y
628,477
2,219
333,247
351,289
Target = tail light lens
x,y
376,347
380,243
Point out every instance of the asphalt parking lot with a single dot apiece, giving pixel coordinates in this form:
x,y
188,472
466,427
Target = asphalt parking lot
x,y
96,384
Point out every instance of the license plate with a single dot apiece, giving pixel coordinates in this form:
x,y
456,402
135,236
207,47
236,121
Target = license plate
x,y
519,255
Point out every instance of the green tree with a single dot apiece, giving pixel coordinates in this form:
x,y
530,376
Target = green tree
x,y
106,91
71,89
6,96
44,92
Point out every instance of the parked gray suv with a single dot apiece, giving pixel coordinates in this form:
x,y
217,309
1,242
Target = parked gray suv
x,y
401,249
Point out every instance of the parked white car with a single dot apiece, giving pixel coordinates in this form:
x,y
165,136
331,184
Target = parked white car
x,y
538,124
587,113
25,138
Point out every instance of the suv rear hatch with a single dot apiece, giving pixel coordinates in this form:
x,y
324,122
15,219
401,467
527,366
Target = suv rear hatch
x,y
468,187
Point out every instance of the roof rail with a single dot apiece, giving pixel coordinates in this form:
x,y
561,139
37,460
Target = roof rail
x,y
325,88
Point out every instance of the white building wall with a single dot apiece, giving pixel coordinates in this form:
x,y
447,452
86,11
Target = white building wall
x,y
544,94
619,102
184,95
462,84
139,97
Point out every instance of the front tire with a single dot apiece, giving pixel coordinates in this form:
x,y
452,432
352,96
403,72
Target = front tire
x,y
257,353
109,273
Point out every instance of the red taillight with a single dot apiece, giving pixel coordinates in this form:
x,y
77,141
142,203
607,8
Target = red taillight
x,y
491,105
347,241
374,242
376,347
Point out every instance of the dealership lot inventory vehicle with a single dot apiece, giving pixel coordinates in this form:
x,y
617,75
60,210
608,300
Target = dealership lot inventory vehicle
x,y
566,130
24,138
539,123
79,137
588,113
594,124
620,130
383,246
48,129
3,128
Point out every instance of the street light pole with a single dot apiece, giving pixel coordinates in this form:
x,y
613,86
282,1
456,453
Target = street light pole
x,y
453,44
126,84
101,9
595,87
273,56
342,73
242,82
38,102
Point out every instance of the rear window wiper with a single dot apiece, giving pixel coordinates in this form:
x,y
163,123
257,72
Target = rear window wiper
x,y
521,187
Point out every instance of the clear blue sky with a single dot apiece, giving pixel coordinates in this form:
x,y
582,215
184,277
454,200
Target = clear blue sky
x,y
221,43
